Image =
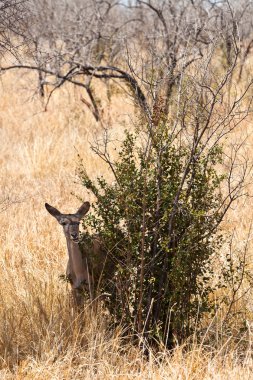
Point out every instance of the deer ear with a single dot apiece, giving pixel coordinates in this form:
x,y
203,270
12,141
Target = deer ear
x,y
53,211
83,210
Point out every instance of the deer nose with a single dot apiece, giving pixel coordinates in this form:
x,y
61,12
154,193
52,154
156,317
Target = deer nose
x,y
74,236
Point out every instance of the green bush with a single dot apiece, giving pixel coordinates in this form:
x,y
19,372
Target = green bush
x,y
158,222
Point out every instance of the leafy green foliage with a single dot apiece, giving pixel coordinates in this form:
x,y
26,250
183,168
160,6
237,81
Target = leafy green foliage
x,y
158,222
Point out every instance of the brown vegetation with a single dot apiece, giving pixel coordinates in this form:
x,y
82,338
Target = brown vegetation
x,y
40,337
41,144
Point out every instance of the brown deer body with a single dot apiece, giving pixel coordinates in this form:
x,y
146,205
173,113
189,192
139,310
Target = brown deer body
x,y
78,272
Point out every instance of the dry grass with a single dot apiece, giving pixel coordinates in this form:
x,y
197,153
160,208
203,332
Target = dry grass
x,y
40,338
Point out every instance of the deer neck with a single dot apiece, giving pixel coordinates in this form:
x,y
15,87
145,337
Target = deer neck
x,y
77,267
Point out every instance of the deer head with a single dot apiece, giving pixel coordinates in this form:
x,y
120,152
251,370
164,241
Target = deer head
x,y
69,222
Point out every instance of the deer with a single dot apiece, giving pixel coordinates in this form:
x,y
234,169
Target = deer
x,y
78,272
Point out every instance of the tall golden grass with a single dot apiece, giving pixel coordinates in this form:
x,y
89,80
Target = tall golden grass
x,y
40,336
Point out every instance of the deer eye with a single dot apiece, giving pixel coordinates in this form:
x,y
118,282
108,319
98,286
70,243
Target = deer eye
x,y
63,223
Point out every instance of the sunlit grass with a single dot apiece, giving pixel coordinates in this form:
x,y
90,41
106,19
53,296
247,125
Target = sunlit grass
x,y
40,336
